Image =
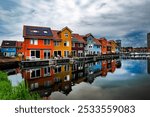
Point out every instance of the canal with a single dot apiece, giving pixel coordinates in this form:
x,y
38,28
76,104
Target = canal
x,y
106,79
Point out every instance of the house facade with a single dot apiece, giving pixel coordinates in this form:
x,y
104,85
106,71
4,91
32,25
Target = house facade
x,y
89,47
113,46
38,42
78,44
62,42
103,42
97,47
9,48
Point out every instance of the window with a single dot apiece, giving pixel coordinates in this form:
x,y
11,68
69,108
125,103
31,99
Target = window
x,y
34,41
47,71
66,35
57,53
57,70
66,53
66,43
90,46
34,86
56,43
80,45
35,53
46,83
46,41
74,53
66,67
35,73
67,78
73,44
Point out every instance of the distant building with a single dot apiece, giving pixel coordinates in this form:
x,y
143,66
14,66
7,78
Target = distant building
x,y
148,40
9,48
118,48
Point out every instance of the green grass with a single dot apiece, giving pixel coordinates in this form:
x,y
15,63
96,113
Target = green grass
x,y
20,92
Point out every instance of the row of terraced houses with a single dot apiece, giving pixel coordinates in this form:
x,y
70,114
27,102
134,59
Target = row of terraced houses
x,y
45,43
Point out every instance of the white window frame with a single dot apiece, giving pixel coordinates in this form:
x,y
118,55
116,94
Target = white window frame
x,y
47,73
35,74
73,44
56,43
67,43
35,55
34,41
66,35
48,42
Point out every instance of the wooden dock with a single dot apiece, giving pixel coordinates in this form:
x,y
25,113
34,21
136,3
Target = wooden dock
x,y
12,63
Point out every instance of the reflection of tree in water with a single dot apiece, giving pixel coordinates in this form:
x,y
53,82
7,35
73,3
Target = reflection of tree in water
x,y
62,78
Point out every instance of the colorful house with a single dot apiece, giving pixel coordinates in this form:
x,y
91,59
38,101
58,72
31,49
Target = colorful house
x,y
97,47
9,48
38,42
92,46
78,44
113,46
62,42
103,42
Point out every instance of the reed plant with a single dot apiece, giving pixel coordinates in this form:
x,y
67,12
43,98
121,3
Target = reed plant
x,y
9,92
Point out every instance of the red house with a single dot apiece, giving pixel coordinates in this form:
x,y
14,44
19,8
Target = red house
x,y
38,42
78,44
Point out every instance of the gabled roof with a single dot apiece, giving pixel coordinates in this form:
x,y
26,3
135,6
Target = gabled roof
x,y
97,41
67,29
89,34
37,32
78,38
56,36
9,44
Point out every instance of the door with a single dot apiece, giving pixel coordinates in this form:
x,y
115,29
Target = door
x,y
46,54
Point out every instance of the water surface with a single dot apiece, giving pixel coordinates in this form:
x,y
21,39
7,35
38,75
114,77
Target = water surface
x,y
107,79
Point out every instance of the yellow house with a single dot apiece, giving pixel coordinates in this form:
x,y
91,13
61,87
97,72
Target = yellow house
x,y
62,42
113,46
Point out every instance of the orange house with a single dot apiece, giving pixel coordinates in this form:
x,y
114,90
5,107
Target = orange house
x,y
113,46
38,42
62,42
103,42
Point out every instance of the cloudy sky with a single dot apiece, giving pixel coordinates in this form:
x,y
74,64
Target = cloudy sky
x,y
128,20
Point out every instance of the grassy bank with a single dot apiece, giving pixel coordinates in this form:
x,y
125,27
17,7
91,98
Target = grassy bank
x,y
20,92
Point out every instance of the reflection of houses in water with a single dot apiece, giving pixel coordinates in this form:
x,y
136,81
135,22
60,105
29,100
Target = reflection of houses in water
x,y
148,66
46,80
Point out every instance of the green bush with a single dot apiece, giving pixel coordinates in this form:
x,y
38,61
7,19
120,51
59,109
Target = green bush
x,y
20,92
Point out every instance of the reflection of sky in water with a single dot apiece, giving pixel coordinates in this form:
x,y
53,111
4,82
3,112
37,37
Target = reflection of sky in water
x,y
131,81
15,79
135,66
